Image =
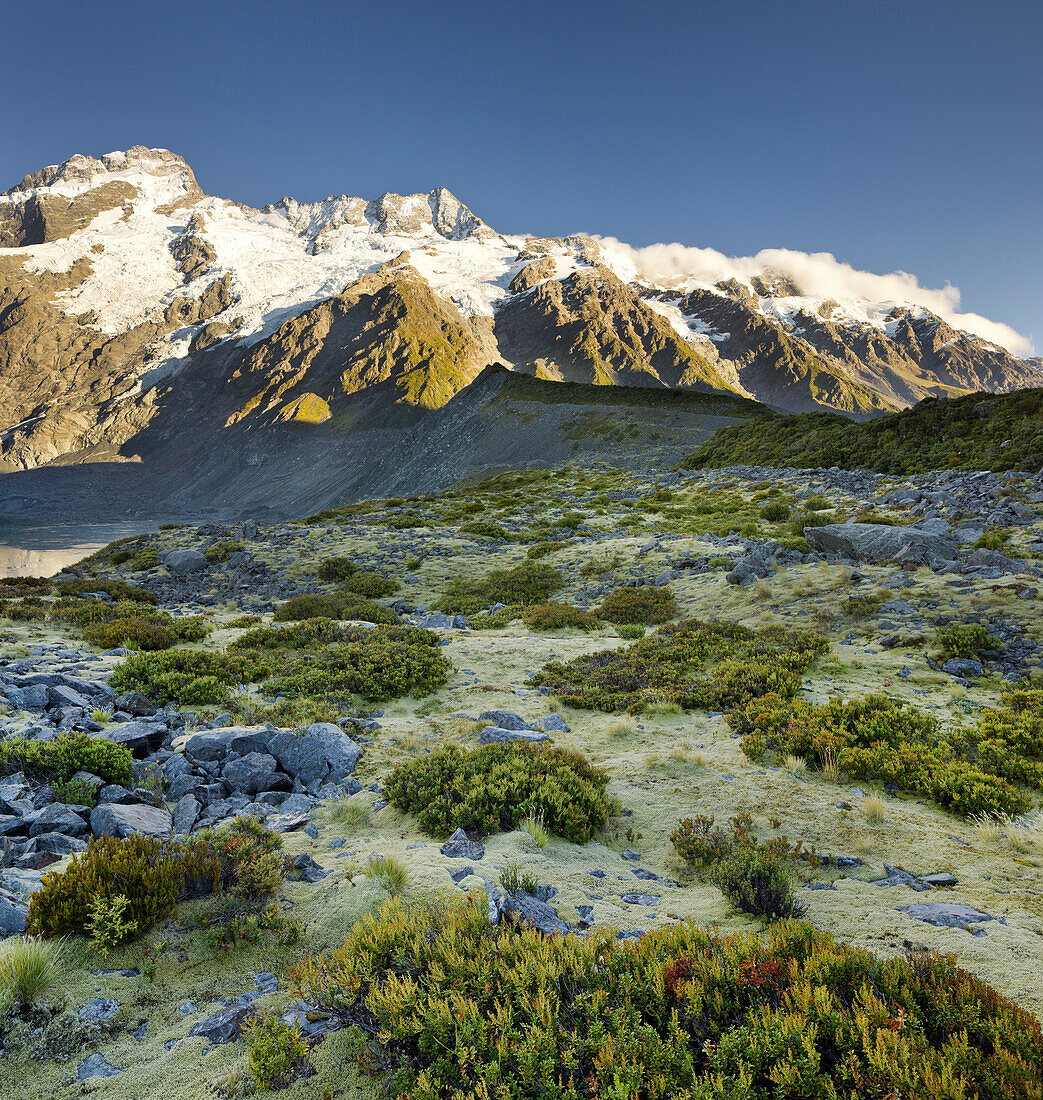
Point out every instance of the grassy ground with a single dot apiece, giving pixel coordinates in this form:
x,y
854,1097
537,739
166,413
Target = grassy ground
x,y
663,766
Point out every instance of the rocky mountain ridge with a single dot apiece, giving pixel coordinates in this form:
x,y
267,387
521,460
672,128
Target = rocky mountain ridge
x,y
133,306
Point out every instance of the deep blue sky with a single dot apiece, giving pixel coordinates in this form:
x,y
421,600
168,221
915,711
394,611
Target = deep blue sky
x,y
894,135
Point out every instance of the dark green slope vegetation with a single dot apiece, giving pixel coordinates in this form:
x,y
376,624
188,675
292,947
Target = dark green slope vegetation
x,y
976,432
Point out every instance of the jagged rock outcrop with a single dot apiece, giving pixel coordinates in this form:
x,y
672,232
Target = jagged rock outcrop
x,y
386,329
592,327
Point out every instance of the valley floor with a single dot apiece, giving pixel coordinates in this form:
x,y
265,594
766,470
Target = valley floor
x,y
609,529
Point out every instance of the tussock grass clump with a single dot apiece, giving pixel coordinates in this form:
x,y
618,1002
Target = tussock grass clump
x,y
647,605
496,787
346,813
968,770
529,583
691,664
699,1014
29,967
389,872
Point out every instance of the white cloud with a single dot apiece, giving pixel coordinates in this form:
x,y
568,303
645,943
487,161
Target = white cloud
x,y
818,275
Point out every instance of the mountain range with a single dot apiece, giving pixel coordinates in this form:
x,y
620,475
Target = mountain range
x,y
142,320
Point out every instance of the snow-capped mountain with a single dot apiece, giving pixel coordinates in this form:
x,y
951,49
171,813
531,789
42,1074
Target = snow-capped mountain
x,y
130,298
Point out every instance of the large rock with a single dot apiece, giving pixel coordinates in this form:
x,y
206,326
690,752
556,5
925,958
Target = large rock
x,y
213,746
874,542
525,909
186,812
182,562
140,738
60,817
505,720
945,914
459,846
224,1026
250,773
121,820
14,913
322,753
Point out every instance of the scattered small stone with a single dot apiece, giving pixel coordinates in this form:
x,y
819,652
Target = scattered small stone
x,y
459,846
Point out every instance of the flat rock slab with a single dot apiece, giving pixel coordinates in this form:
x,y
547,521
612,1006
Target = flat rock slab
x,y
224,1026
873,542
122,821
945,914
99,1011
495,735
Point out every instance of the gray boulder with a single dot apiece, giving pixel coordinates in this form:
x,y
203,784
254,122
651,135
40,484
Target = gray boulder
x,y
60,817
945,914
552,723
95,1065
505,720
185,815
123,820
459,846
14,913
182,562
140,738
875,542
224,1026
321,753
250,773
525,909
99,1011
963,666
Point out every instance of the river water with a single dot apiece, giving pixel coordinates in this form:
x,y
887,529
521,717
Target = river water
x,y
43,551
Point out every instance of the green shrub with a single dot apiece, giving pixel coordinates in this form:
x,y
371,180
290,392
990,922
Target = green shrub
x,y
801,520
336,605
996,539
558,616
220,552
447,1005
277,1051
194,677
969,772
109,927
150,873
647,604
775,512
863,605
66,754
631,631
151,876
27,610
337,569
377,664
371,585
147,558
965,640
117,589
483,529
75,792
692,664
975,432
528,583
491,789
542,549
751,875
137,632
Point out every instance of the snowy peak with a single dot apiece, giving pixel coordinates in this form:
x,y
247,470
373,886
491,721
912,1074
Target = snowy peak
x,y
438,212
82,173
